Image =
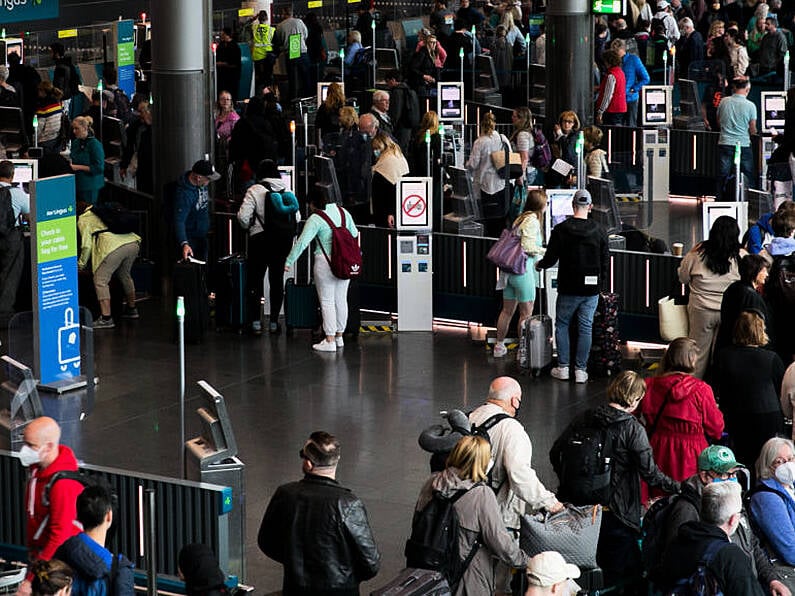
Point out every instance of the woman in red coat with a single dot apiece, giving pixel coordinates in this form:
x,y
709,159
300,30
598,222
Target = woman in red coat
x,y
680,412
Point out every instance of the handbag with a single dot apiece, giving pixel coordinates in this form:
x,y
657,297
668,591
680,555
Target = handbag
x,y
673,319
504,156
573,532
507,253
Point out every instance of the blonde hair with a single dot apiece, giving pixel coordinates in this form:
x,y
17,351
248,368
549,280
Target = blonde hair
x,y
471,456
525,120
86,122
713,28
507,19
355,36
335,98
627,389
593,136
348,117
430,121
384,143
488,124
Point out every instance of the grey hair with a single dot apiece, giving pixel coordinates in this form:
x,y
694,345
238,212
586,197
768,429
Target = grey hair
x,y
3,72
380,94
719,501
768,454
685,22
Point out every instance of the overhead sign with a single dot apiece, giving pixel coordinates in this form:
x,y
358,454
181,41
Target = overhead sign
x,y
609,6
14,11
125,55
67,33
413,206
56,326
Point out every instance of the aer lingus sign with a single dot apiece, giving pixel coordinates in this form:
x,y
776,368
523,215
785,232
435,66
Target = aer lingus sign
x,y
14,11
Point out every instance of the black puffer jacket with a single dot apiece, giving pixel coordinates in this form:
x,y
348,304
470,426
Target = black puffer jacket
x,y
82,555
320,532
632,460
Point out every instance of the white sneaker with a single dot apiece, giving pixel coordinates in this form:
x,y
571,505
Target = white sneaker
x,y
561,373
500,350
339,341
580,376
325,346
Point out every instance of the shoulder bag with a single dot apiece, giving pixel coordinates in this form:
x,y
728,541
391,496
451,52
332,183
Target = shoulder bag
x,y
573,532
507,253
507,163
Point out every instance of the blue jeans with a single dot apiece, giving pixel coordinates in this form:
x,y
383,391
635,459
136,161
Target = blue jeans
x,y
726,166
566,307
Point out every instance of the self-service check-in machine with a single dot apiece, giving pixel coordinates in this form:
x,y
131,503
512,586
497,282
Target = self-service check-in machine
x,y
11,45
774,104
413,219
656,120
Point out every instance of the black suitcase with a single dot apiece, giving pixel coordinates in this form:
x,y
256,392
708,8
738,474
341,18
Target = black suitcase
x,y
301,306
354,309
230,292
415,582
190,281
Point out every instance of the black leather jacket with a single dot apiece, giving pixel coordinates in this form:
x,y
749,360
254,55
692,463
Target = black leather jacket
x,y
319,531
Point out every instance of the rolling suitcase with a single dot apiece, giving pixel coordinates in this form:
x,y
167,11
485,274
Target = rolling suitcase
x,y
354,309
535,345
415,582
190,281
301,306
605,357
230,292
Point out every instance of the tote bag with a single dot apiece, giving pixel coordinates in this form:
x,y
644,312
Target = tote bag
x,y
573,532
507,253
673,319
504,156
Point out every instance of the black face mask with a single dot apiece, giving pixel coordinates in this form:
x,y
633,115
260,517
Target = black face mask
x,y
519,407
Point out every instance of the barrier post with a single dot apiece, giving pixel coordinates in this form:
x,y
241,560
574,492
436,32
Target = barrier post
x,y
579,147
737,173
375,62
342,65
428,153
527,45
292,135
100,87
36,128
181,327
665,68
474,55
150,541
461,59
673,66
787,74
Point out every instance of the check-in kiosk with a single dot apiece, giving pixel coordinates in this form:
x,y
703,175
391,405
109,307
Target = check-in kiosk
x,y
656,120
414,217
11,45
450,107
774,104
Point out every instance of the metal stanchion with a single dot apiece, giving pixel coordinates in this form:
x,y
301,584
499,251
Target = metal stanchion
x,y
787,73
738,191
181,328
427,152
100,88
665,68
342,65
375,62
150,541
580,148
673,66
474,59
527,45
306,153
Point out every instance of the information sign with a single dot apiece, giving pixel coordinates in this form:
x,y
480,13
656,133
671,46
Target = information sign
x,y
14,11
413,203
125,56
295,46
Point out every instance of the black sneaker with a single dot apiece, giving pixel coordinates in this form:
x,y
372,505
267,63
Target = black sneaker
x,y
130,312
104,323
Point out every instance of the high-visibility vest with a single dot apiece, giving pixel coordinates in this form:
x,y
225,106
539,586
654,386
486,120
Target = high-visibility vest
x,y
263,40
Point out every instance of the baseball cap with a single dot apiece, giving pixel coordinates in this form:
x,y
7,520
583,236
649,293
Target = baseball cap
x,y
717,458
663,4
582,198
549,568
206,169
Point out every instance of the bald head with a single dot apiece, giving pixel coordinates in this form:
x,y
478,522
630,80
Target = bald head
x,y
43,435
368,124
504,388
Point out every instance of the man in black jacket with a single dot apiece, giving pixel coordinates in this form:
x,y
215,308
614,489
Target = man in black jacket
x,y
580,245
318,530
709,541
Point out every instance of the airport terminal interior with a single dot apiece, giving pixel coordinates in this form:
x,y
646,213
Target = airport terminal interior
x,y
428,308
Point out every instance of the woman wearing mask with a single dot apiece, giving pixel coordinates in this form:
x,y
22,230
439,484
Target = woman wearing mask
x,y
708,269
521,289
88,160
388,169
478,515
772,503
748,381
270,214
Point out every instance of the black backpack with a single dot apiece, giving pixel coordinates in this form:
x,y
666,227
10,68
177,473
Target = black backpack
x,y
117,218
7,221
439,459
584,466
702,582
433,543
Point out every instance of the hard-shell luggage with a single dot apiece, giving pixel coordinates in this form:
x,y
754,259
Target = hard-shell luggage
x,y
354,309
190,281
415,582
230,292
301,306
605,357
535,345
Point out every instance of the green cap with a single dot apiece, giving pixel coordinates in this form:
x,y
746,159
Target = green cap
x,y
717,458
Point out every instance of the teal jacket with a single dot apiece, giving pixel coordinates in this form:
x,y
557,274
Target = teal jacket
x,y
89,152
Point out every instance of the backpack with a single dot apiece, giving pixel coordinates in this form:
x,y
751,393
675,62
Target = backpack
x,y
122,103
439,458
654,525
433,543
117,218
346,256
585,465
702,582
411,113
542,153
7,220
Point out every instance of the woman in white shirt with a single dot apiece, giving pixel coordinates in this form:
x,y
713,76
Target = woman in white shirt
x,y
487,183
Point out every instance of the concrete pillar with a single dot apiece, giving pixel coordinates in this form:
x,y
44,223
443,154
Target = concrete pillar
x,y
182,90
569,77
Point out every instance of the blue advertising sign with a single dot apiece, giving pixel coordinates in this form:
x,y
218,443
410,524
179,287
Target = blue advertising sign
x,y
14,11
125,56
56,324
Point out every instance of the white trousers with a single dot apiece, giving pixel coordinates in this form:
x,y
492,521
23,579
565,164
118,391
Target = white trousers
x,y
333,295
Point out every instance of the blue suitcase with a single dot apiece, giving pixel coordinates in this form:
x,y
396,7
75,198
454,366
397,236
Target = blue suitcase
x,y
301,306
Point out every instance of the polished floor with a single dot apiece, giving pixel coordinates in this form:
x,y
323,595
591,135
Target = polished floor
x,y
376,396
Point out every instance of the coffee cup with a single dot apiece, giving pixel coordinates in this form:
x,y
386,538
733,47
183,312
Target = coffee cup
x,y
677,248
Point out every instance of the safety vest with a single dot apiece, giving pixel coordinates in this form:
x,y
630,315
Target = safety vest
x,y
262,34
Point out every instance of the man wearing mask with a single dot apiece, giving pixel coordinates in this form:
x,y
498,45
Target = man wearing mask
x,y
48,526
718,464
710,541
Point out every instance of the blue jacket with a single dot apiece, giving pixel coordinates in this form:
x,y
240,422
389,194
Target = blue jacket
x,y
636,75
191,210
775,516
756,233
91,563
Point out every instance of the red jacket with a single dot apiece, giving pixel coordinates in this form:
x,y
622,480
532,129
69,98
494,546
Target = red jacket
x,y
618,103
62,522
677,430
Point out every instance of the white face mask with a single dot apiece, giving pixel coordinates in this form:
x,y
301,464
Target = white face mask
x,y
28,456
785,473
